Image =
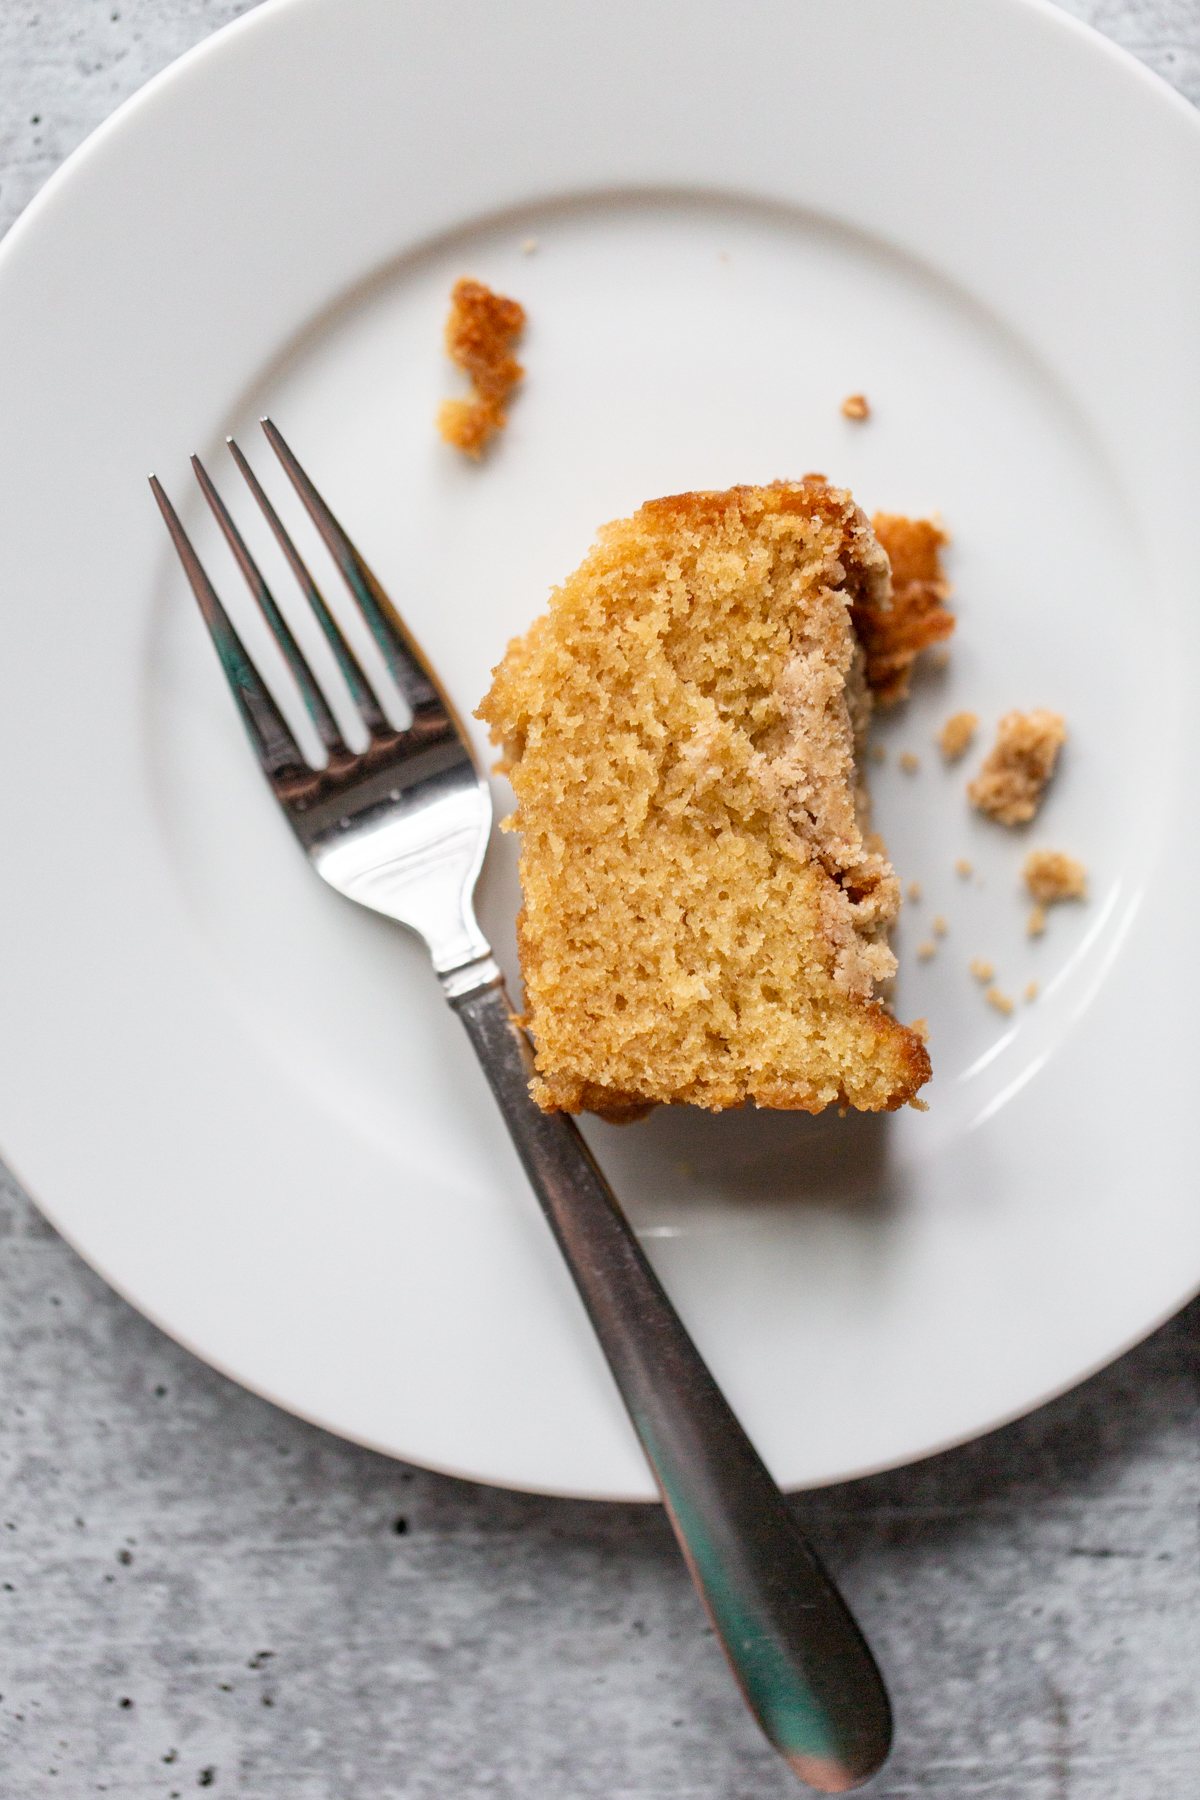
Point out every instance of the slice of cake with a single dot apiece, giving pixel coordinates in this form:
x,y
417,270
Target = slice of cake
x,y
705,911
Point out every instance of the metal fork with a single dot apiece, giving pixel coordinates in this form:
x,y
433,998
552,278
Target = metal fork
x,y
402,827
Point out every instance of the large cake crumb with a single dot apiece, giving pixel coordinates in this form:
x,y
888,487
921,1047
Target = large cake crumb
x,y
894,636
705,909
956,734
480,333
1010,785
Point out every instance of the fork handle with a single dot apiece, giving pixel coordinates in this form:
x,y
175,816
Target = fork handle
x,y
799,1658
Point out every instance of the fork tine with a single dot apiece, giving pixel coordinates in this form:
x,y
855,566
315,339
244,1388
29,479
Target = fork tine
x,y
281,631
405,662
360,688
266,727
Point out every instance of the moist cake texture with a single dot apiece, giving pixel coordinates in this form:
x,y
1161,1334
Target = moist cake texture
x,y
1010,784
705,910
480,333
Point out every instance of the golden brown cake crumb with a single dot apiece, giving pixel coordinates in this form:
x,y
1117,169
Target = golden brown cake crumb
x,y
854,406
940,926
705,910
909,763
926,951
956,734
1010,785
914,890
999,1000
894,636
1031,990
920,1029
962,867
1050,875
981,969
480,334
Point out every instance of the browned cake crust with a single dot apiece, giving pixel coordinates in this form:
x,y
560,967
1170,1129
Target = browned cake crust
x,y
705,911
894,636
480,333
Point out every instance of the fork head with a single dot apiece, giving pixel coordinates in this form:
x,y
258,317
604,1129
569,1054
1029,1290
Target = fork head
x,y
400,826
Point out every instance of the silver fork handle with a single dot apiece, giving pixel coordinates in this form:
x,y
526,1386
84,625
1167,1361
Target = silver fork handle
x,y
798,1656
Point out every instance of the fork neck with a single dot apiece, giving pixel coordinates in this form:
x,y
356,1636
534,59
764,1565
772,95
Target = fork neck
x,y
470,978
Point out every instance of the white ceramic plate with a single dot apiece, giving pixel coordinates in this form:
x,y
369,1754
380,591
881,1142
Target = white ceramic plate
x,y
242,1099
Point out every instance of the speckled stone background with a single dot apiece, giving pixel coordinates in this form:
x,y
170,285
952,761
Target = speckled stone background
x,y
199,1591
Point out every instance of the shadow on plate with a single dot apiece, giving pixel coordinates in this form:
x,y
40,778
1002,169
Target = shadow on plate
x,y
752,1157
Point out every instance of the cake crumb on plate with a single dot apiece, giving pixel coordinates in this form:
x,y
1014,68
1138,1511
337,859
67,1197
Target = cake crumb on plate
x,y
854,406
909,763
956,734
920,1029
940,926
1050,875
962,867
981,969
480,333
999,1000
914,890
1010,785
926,951
1031,990
529,246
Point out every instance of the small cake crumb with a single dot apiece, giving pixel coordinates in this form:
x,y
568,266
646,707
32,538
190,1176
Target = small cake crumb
x,y
1050,875
963,867
909,763
1031,990
1010,785
940,926
894,636
529,246
877,753
1037,922
920,1029
999,1000
926,951
854,406
480,333
981,969
940,660
914,890
956,734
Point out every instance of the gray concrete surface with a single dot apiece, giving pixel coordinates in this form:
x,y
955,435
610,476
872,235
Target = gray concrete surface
x,y
199,1591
